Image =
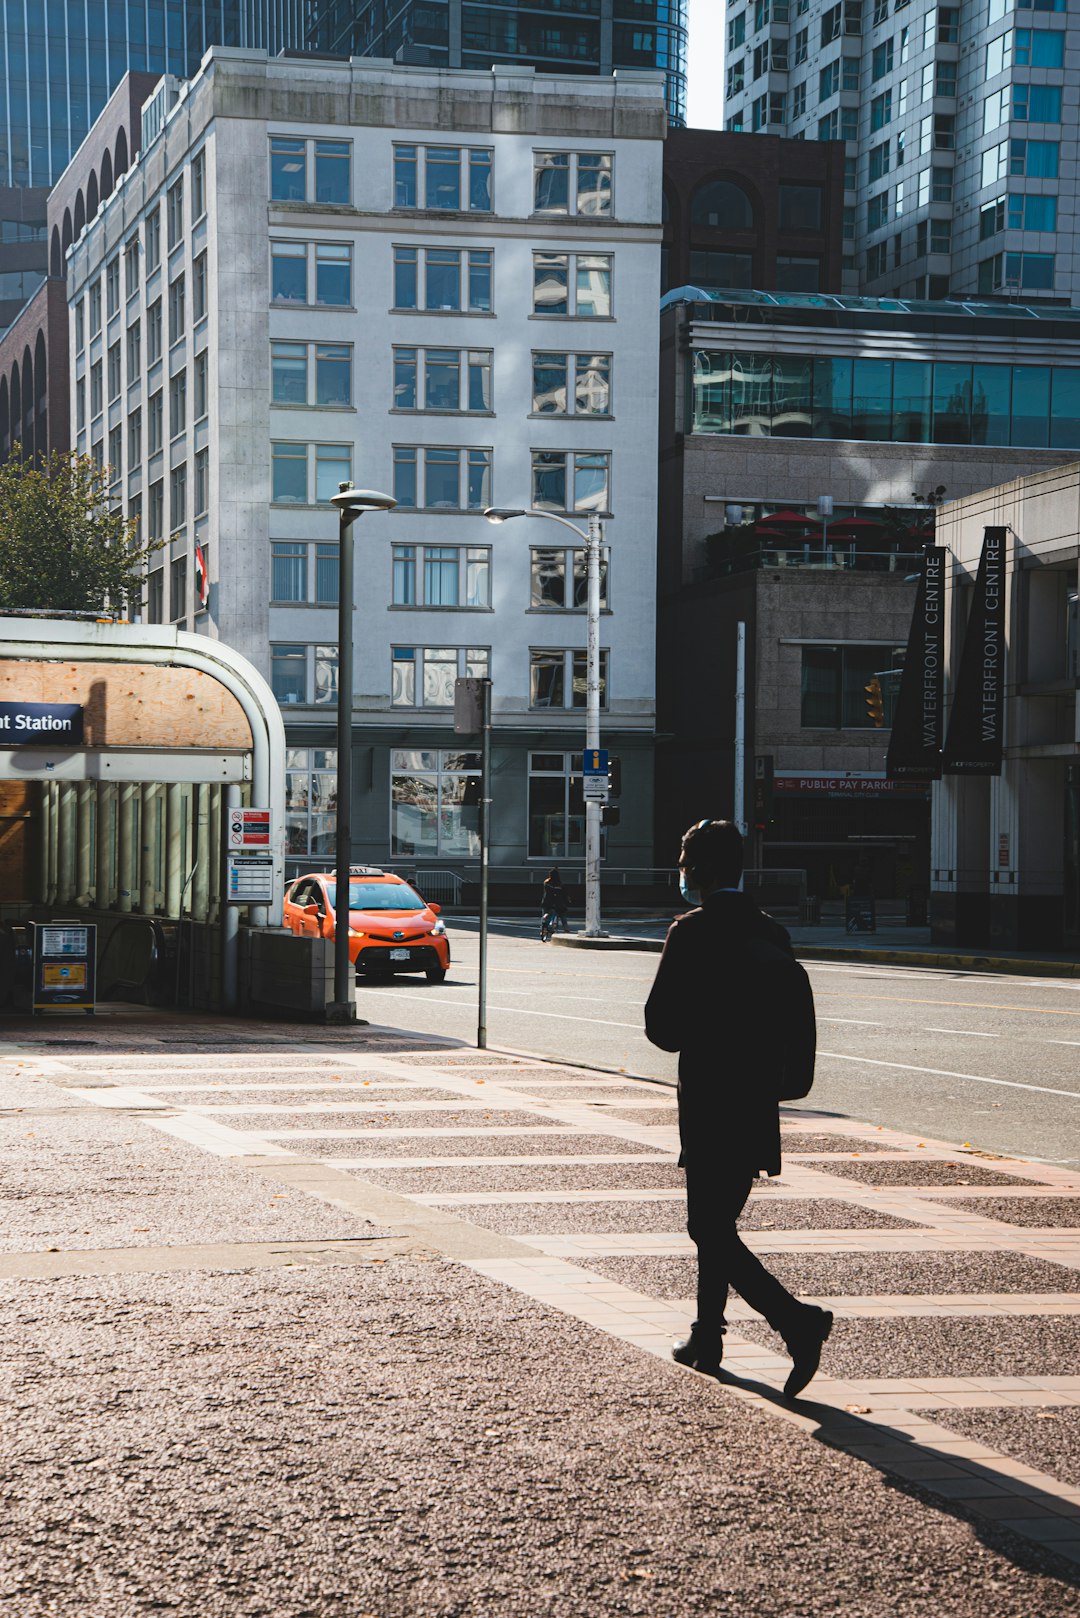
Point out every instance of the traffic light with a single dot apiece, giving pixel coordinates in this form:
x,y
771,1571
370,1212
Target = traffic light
x,y
610,814
875,703
614,779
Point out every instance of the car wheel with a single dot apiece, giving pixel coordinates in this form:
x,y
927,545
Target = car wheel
x,y
435,974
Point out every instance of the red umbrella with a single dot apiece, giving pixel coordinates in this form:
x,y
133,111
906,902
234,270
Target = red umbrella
x,y
789,519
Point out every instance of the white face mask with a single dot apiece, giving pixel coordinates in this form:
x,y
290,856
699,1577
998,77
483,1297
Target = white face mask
x,y
691,895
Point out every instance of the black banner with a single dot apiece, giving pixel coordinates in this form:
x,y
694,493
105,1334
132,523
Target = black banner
x,y
915,742
40,723
973,745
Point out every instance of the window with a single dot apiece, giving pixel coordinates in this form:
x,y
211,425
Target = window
x,y
801,207
881,110
879,161
97,454
155,422
174,213
152,240
798,101
201,390
308,474
116,452
941,185
721,205
1037,159
178,603
1032,212
850,73
736,31
761,60
450,278
881,62
559,578
177,404
198,186
877,211
556,807
198,288
991,219
114,377
112,287
1031,272
441,575
134,352
736,77
571,384
802,45
830,26
134,439
80,326
202,482
877,260
948,25
572,284
95,308
80,403
833,685
96,398
442,379
303,572
572,183
944,131
153,332
423,676
293,367
155,513
446,177
291,273
305,675
437,478
570,480
155,596
712,268
1037,103
559,678
829,81
131,267
945,79
940,236
176,310
1039,47
435,804
178,496
310,800
310,171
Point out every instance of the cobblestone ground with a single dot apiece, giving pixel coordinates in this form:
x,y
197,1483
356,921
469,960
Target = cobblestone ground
x,y
327,1328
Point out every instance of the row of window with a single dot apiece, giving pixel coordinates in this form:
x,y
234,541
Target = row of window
x,y
155,405
435,803
457,179
176,305
305,572
904,401
424,676
179,575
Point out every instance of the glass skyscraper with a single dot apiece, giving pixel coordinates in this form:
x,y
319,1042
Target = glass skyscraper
x,y
60,60
577,36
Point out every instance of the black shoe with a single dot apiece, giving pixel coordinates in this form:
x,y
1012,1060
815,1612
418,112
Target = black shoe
x,y
701,1353
805,1345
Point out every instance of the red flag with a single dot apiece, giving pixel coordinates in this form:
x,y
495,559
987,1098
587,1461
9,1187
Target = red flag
x,y
202,583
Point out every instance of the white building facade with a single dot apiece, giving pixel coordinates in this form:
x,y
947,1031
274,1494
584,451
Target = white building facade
x,y
959,125
443,285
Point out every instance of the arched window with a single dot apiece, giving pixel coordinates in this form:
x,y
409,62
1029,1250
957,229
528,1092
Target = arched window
x,y
65,240
56,261
721,205
91,196
120,160
106,175
5,421
80,215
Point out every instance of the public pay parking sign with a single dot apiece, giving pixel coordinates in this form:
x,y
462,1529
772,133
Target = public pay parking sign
x,y
249,828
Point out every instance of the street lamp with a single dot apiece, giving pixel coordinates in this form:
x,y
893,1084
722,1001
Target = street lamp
x,y
350,503
594,539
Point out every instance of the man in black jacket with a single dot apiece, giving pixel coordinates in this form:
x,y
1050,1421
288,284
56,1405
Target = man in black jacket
x,y
730,997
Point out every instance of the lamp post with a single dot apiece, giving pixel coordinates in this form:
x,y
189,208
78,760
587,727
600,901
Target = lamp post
x,y
350,503
593,537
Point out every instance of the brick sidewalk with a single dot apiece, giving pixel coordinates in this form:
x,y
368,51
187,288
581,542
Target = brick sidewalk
x,y
954,1278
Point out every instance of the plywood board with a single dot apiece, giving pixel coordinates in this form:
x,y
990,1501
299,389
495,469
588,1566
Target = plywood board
x,y
134,704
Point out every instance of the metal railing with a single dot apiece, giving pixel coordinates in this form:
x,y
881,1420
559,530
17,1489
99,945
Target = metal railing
x,y
842,558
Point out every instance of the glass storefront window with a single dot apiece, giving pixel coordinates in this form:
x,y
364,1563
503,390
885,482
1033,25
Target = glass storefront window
x,y
556,807
310,800
435,804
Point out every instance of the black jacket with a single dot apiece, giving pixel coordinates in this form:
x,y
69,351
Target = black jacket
x,y
730,997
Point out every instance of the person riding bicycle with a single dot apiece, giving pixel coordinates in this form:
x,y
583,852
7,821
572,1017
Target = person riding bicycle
x,y
554,903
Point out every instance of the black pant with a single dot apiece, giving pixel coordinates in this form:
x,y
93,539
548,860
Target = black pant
x,y
716,1194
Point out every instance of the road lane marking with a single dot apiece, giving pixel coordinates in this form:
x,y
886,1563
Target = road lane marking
x,y
968,1033
944,1073
970,1005
854,1022
513,1011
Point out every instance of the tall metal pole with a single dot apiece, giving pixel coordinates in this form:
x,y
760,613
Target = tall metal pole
x,y
593,545
485,844
739,792
343,1007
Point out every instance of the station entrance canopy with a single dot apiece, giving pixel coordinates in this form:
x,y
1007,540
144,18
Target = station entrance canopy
x,y
122,749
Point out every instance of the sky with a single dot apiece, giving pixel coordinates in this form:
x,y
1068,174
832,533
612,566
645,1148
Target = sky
x,y
705,95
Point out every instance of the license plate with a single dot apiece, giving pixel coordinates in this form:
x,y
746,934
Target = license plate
x,y
400,954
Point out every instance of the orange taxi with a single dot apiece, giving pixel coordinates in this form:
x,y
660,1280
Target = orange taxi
x,y
391,929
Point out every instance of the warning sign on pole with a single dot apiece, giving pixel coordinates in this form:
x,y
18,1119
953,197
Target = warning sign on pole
x,y
249,828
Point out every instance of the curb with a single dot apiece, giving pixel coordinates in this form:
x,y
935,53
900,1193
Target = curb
x,y
1015,965
579,941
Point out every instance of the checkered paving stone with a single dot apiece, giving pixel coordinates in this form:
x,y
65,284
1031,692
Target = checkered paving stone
x,y
483,1143
853,1275
361,1120
943,1346
204,1098
450,1180
452,1058
1036,1212
603,1218
649,1116
1046,1437
919,1172
800,1140
581,1092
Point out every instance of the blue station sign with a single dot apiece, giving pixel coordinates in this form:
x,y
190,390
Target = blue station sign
x,y
595,761
41,723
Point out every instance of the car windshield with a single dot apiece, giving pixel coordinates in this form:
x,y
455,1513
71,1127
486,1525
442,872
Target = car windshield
x,y
377,896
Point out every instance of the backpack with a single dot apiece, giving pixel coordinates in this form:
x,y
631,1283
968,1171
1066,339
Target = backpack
x,y
784,1010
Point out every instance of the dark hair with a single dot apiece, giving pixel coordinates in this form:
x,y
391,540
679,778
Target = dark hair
x,y
554,877
712,854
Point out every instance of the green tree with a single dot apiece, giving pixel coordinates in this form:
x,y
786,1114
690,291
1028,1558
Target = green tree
x,y
61,548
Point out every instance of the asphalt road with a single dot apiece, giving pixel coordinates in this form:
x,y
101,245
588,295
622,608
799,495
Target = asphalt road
x,y
987,1059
